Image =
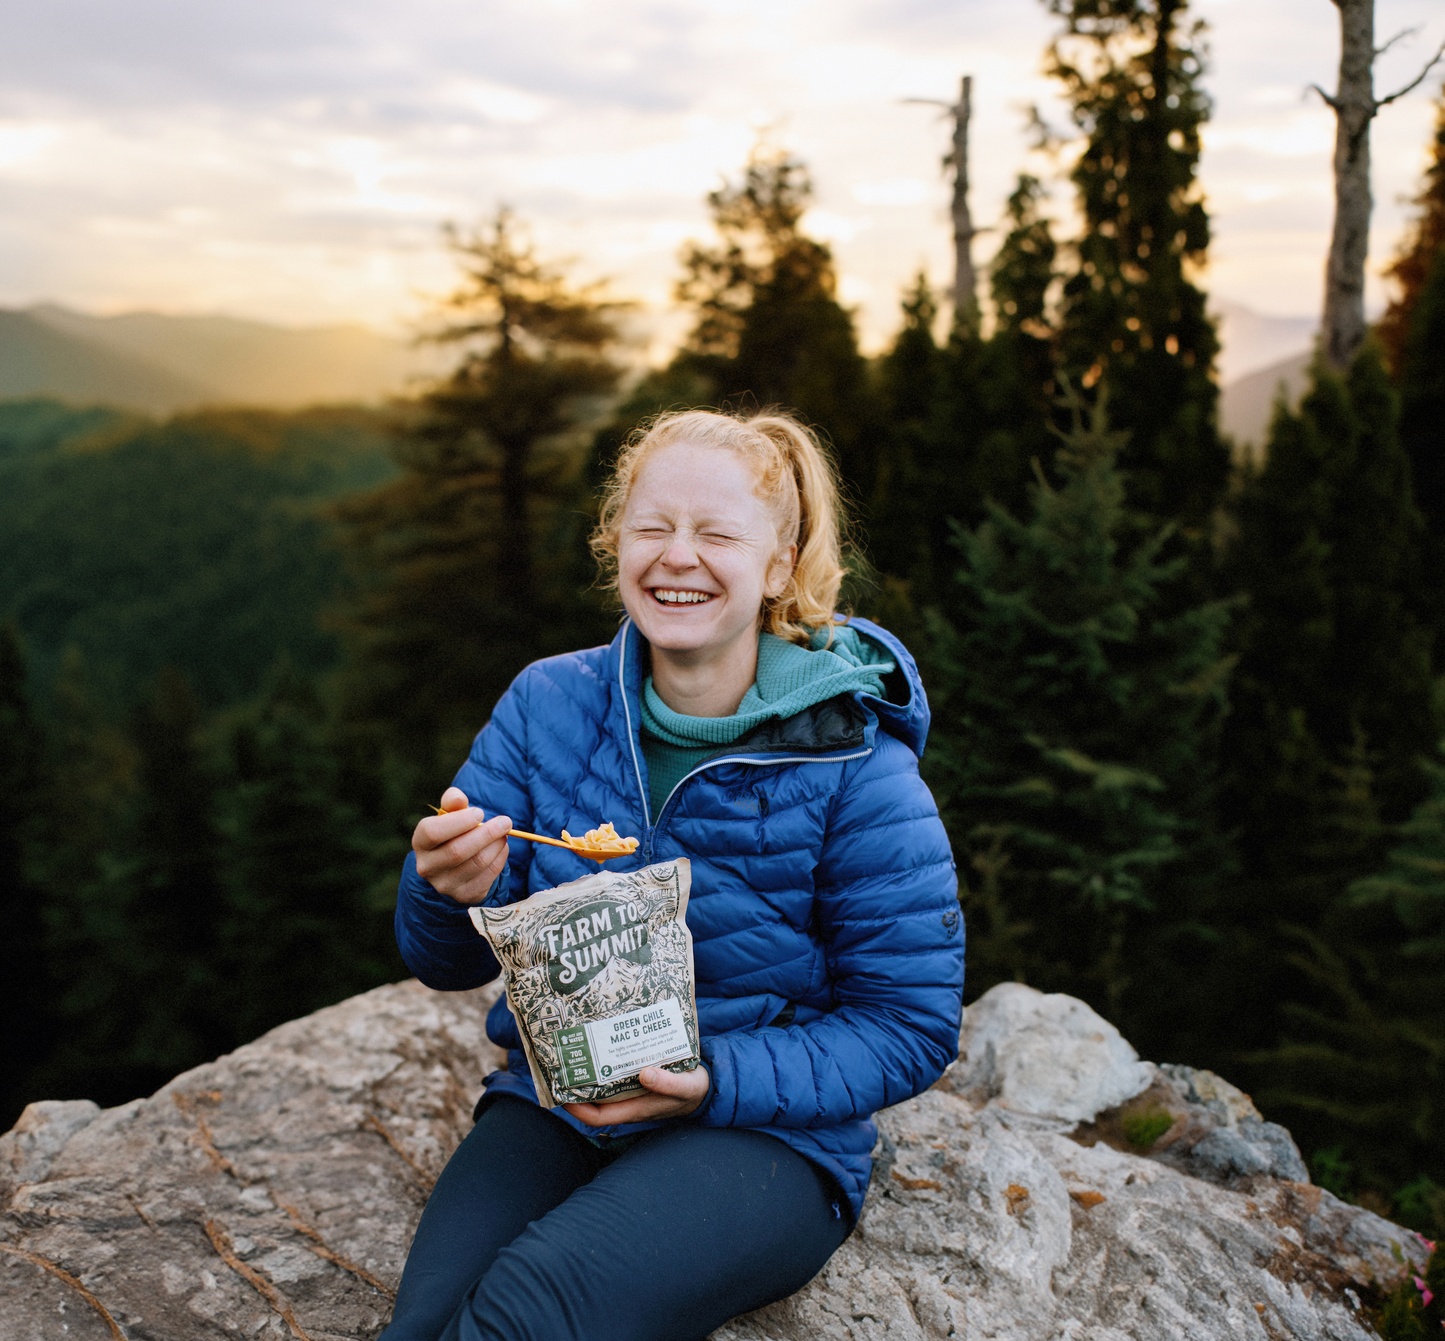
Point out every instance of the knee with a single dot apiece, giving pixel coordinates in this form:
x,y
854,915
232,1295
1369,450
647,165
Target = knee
x,y
530,1293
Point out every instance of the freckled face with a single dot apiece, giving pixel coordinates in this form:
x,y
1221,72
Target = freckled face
x,y
698,551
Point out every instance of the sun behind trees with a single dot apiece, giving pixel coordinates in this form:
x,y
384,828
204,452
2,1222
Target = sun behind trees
x,y
472,552
1180,730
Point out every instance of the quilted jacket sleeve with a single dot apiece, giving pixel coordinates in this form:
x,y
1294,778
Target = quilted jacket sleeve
x,y
436,937
887,911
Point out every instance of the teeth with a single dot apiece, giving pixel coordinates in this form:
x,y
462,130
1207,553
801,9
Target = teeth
x,y
682,597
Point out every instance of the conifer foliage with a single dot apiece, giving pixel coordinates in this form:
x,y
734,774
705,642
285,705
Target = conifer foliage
x,y
1074,717
470,549
24,992
1362,1066
1424,242
1131,312
962,422
770,329
1333,649
303,924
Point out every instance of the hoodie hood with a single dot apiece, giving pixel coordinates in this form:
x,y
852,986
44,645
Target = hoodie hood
x,y
901,708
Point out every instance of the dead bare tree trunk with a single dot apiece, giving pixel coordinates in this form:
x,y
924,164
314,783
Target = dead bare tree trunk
x,y
965,290
965,282
1354,105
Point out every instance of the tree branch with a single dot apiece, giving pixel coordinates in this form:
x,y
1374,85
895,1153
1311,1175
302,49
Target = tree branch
x,y
1403,33
1329,101
1416,81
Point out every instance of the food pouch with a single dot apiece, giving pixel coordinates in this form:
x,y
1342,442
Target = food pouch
x,y
600,980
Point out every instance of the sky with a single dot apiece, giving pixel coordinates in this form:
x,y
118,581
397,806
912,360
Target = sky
x,y
293,160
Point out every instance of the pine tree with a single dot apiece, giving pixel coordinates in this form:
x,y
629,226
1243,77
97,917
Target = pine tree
x,y
134,897
905,512
1332,696
1017,373
1423,243
1131,313
1332,644
1075,719
472,552
1361,1069
769,328
963,422
23,988
309,884
1422,432
174,916
1023,270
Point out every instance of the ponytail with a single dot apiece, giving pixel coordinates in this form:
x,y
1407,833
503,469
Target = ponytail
x,y
795,479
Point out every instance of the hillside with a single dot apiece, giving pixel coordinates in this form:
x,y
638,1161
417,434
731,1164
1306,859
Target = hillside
x,y
1251,341
158,364
1245,406
36,360
201,542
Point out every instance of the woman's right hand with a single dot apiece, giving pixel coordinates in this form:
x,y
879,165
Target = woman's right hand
x,y
460,851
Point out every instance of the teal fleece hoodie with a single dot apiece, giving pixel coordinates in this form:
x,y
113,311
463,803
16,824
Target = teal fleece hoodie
x,y
790,679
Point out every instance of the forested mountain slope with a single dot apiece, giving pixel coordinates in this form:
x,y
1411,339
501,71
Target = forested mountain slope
x,y
198,543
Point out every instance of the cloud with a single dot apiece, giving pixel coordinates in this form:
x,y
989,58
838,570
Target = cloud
x,y
293,161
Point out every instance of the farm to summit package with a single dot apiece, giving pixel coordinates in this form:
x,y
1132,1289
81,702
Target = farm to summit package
x,y
599,977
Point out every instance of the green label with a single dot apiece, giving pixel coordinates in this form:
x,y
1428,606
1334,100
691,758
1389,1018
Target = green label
x,y
575,1054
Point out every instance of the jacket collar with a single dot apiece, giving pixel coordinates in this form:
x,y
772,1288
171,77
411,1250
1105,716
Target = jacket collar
x,y
840,723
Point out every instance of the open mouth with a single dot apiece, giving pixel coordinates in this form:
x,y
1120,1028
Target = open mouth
x,y
675,596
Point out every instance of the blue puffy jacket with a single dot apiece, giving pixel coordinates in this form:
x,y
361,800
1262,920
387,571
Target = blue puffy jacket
x,y
824,912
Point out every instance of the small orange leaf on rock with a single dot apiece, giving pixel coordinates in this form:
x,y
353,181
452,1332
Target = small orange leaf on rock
x,y
918,1184
1087,1197
1018,1197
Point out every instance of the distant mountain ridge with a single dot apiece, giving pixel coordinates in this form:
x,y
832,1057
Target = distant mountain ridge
x,y
1247,405
159,364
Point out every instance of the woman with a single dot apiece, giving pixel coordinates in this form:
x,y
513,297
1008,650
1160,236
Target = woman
x,y
735,722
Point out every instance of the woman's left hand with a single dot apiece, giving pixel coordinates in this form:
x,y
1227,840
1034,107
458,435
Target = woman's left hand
x,y
674,1094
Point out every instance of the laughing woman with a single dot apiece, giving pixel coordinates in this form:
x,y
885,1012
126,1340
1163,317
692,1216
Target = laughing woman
x,y
735,721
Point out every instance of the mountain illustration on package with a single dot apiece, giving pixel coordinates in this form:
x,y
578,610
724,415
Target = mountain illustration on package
x,y
600,979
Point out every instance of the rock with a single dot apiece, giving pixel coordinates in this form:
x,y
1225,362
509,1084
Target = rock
x,y
269,1194
1050,1056
272,1194
1196,1122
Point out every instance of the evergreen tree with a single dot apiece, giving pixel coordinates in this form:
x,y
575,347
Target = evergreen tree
x,y
1331,645
769,328
176,904
1360,1073
1023,269
1332,696
24,998
309,884
1075,720
1131,313
962,422
1017,373
1423,243
1422,430
472,551
904,511
134,899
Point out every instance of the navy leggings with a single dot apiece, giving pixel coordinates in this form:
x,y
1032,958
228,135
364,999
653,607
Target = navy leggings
x,y
534,1234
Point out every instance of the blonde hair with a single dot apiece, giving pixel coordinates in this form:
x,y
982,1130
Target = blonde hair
x,y
795,479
